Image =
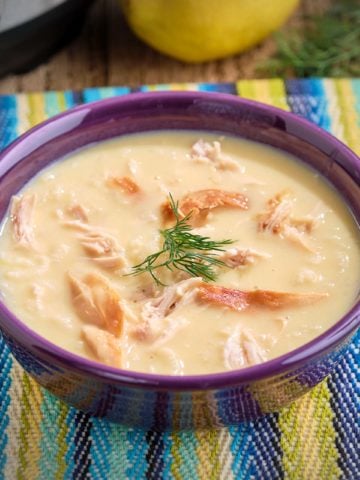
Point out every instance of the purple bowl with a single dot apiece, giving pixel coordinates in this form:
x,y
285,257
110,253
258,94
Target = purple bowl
x,y
159,401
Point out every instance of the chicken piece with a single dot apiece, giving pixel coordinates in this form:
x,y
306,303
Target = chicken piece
x,y
104,345
296,236
21,217
240,300
253,352
115,262
205,200
277,219
78,212
126,184
238,257
242,350
155,310
201,202
305,224
78,225
310,221
96,302
206,152
104,249
96,244
278,211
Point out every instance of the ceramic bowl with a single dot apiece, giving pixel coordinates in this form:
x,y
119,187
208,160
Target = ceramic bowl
x,y
159,401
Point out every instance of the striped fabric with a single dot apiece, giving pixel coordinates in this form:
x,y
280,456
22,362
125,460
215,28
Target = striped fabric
x,y
316,437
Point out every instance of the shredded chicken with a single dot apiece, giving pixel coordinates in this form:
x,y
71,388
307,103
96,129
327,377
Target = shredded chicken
x,y
277,219
279,209
96,244
242,350
241,300
126,184
155,310
297,236
199,204
104,345
309,222
96,302
78,225
104,249
21,216
238,257
206,152
305,224
78,212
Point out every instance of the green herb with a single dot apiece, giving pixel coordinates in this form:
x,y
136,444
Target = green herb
x,y
329,47
183,250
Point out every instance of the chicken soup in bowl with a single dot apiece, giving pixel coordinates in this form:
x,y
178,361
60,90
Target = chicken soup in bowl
x,y
179,255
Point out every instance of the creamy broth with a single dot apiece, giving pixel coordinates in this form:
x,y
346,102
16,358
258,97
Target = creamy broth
x,y
91,217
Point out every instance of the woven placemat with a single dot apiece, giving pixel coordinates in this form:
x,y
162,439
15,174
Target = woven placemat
x,y
317,437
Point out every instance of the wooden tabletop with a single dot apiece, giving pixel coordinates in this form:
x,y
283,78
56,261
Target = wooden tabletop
x,y
107,53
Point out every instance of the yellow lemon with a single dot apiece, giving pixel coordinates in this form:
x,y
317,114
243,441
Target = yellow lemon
x,y
201,30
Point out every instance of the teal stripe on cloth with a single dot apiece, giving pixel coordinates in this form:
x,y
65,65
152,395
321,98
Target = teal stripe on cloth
x,y
308,99
52,105
93,94
167,457
8,120
100,449
5,381
50,445
218,87
70,442
243,451
119,462
355,85
136,454
70,100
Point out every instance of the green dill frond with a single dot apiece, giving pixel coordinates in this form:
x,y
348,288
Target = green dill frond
x,y
183,250
329,47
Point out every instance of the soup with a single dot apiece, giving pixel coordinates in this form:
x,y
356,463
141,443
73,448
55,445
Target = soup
x,y
179,253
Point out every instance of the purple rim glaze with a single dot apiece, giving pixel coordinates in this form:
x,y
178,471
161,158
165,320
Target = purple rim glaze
x,y
305,130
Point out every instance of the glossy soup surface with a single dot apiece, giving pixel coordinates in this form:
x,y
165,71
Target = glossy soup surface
x,y
75,231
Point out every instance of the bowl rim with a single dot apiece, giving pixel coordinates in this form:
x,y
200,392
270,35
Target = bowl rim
x,y
287,362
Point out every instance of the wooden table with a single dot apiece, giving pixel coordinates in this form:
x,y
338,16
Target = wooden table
x,y
107,53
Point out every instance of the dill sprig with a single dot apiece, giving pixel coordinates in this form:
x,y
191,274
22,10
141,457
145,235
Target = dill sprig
x,y
329,46
183,250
